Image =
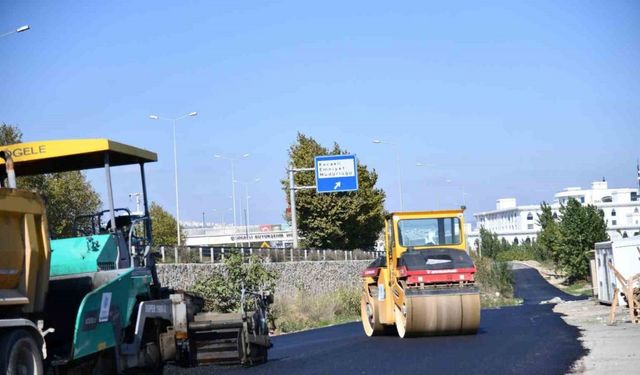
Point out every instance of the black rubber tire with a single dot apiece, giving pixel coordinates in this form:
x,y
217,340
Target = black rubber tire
x,y
20,354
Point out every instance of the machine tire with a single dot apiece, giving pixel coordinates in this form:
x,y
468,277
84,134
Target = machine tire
x,y
369,316
401,320
20,354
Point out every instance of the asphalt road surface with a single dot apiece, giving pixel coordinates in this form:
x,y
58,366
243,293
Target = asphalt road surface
x,y
527,339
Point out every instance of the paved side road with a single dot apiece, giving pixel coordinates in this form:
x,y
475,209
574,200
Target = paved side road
x,y
527,339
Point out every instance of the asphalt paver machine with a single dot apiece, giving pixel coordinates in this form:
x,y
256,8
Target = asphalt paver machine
x,y
92,302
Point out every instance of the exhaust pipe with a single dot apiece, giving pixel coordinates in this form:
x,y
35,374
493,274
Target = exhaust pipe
x,y
11,173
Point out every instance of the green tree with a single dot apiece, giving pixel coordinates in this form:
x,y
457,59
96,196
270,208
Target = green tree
x,y
580,228
490,243
164,226
66,194
9,134
348,220
549,239
221,289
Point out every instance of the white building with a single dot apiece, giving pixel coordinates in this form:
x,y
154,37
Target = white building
x,y
269,235
518,224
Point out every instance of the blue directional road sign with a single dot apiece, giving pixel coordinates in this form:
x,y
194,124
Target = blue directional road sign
x,y
336,173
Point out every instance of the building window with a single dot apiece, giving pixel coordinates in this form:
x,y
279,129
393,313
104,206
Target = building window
x,y
635,211
529,226
555,215
607,199
634,196
613,212
624,235
581,199
515,241
614,222
529,216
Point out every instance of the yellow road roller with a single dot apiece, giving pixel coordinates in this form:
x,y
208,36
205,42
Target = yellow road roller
x,y
424,285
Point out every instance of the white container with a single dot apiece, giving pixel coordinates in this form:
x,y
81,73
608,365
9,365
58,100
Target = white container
x,y
625,257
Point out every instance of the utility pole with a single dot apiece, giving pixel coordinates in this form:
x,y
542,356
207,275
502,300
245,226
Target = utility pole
x,y
246,227
175,165
638,172
292,198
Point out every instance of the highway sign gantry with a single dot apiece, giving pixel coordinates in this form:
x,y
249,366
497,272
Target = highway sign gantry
x,y
336,173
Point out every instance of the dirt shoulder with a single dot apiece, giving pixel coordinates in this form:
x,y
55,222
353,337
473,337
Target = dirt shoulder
x,y
613,349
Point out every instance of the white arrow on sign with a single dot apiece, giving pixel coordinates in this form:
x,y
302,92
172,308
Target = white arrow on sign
x,y
338,184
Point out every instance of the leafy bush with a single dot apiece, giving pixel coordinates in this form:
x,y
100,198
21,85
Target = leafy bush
x,y
501,250
514,254
494,276
522,252
221,289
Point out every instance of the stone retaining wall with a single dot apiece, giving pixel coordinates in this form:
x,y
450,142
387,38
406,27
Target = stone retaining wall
x,y
315,277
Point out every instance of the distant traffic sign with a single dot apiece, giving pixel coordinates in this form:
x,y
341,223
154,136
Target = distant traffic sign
x,y
336,173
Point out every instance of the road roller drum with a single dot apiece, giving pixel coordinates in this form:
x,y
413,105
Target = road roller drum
x,y
433,315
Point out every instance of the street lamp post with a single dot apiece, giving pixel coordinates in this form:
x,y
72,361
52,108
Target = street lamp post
x,y
175,163
463,193
233,180
398,167
448,181
18,30
246,194
223,214
215,211
448,185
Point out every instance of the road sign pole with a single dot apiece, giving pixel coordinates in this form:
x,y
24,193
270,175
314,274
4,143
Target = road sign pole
x,y
292,198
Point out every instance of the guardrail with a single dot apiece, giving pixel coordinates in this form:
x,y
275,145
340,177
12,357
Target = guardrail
x,y
190,254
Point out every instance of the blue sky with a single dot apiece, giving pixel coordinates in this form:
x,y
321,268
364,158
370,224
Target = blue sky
x,y
502,99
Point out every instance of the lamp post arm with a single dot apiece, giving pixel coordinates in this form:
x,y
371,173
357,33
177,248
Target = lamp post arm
x,y
233,192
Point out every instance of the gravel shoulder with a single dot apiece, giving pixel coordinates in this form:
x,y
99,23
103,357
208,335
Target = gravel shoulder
x,y
612,349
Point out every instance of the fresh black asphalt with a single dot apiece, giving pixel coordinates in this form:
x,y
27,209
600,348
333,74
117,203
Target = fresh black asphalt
x,y
526,339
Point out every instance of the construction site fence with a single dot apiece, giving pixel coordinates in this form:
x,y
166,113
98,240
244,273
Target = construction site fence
x,y
190,254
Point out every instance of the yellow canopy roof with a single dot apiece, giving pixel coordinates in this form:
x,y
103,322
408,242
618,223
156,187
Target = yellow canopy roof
x,y
41,157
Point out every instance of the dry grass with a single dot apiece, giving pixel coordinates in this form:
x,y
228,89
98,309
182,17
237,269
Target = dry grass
x,y
302,310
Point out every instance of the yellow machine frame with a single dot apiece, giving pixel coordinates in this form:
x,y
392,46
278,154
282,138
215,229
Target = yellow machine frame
x,y
391,293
